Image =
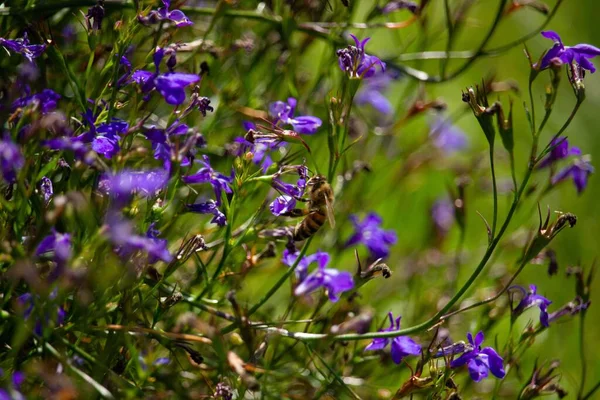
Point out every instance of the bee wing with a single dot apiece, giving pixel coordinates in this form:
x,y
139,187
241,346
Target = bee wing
x,y
329,208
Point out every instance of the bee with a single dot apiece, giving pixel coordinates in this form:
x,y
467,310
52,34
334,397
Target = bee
x,y
319,208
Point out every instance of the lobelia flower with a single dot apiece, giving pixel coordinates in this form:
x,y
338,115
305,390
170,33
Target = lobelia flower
x,y
95,13
45,101
531,299
571,308
22,46
356,63
332,280
442,214
17,379
107,137
579,171
370,233
200,103
206,174
402,346
400,5
164,150
371,93
446,136
163,13
171,85
46,188
209,207
284,112
59,244
480,362
580,53
559,151
27,302
11,159
287,201
122,185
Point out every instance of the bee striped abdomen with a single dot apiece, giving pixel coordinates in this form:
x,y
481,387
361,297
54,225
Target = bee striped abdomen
x,y
309,225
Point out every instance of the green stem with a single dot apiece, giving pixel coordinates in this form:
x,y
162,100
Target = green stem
x,y
591,392
495,191
582,353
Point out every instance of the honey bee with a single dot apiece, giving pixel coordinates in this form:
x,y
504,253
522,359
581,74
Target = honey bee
x,y
319,208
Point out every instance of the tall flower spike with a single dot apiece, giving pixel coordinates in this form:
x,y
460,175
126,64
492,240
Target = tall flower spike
x,y
356,63
402,346
581,53
480,361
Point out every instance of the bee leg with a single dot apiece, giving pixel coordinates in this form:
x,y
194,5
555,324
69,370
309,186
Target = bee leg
x,y
296,213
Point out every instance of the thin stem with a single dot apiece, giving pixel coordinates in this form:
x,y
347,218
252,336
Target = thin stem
x,y
495,191
582,353
591,392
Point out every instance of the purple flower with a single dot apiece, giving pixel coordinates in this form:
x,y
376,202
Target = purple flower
x,y
446,136
200,103
163,13
579,171
369,233
282,204
107,137
372,93
581,53
163,147
400,5
559,151
532,299
480,361
122,185
46,189
95,13
287,201
45,101
571,308
442,213
402,346
59,244
22,46
356,63
209,207
284,113
171,85
11,160
334,281
27,302
206,174
122,235
301,271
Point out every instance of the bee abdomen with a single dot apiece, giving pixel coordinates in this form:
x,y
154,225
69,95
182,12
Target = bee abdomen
x,y
309,226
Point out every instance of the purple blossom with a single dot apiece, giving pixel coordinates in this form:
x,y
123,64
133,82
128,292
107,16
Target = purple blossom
x,y
579,171
446,136
107,137
287,201
163,13
95,13
560,150
27,302
284,112
532,299
122,235
122,185
581,53
46,188
206,174
400,5
402,346
480,361
571,308
171,85
370,233
282,205
165,150
59,244
372,93
22,46
45,101
11,160
209,207
442,214
356,63
334,281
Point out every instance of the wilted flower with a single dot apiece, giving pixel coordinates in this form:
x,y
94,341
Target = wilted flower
x,y
571,308
46,189
446,136
370,233
559,151
543,382
579,171
122,235
199,102
334,281
580,53
371,92
45,101
171,85
547,232
206,174
480,361
209,207
163,13
356,63
22,46
284,112
531,299
11,160
402,346
95,13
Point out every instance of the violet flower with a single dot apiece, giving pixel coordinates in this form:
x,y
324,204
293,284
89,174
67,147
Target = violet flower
x,y
370,233
209,207
59,244
531,299
480,362
402,346
45,101
571,308
95,13
11,159
171,85
163,13
284,112
46,188
396,5
121,234
27,302
581,53
372,93
446,136
287,201
122,185
206,174
22,46
164,150
559,151
332,280
442,214
107,137
356,63
579,171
